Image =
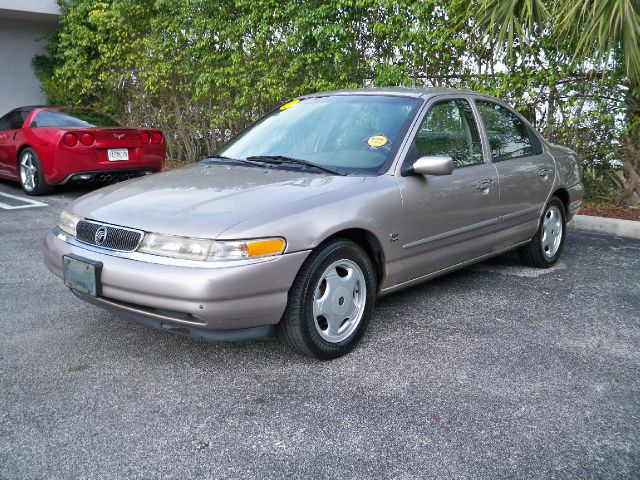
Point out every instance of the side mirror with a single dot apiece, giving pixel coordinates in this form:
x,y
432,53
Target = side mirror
x,y
433,165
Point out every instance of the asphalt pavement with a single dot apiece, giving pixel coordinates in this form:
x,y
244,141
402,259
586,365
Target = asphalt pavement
x,y
495,371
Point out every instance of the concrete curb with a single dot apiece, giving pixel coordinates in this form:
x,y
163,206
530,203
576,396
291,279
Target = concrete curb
x,y
612,226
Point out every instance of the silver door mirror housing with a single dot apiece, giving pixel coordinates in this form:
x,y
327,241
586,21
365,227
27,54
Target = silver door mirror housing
x,y
433,165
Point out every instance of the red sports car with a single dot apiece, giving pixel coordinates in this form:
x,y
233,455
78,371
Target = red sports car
x,y
45,146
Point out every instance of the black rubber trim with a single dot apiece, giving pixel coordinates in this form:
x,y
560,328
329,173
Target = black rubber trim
x,y
237,335
107,172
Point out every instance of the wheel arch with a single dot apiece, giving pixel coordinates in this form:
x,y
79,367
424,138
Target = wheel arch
x,y
21,149
41,157
563,194
369,243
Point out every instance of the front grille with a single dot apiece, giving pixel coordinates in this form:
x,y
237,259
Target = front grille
x,y
110,236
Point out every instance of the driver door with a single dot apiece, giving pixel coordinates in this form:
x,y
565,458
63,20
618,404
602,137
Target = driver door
x,y
448,219
8,148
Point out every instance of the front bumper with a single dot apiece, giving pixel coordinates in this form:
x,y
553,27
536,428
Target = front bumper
x,y
197,299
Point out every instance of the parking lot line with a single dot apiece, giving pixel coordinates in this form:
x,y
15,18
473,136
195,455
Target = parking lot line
x,y
29,202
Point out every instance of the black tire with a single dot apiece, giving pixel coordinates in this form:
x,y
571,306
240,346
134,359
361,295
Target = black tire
x,y
32,183
299,327
536,253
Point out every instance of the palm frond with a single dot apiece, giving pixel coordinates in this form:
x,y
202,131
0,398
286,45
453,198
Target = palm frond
x,y
604,28
508,21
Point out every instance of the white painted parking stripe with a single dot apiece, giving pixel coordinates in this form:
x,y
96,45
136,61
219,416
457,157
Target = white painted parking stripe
x,y
29,202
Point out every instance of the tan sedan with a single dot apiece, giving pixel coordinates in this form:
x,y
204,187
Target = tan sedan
x,y
301,221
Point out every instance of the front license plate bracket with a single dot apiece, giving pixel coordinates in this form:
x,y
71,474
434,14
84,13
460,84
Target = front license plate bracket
x,y
82,274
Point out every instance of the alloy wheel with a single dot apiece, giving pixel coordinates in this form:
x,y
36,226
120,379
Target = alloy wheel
x,y
552,231
28,171
339,301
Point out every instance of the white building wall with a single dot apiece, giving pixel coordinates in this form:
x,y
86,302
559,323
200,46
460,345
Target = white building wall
x,y
23,27
30,7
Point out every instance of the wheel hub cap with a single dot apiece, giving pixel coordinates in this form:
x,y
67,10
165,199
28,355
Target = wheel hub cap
x,y
339,301
28,172
551,231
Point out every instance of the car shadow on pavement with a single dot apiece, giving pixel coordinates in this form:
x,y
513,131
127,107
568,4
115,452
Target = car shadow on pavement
x,y
410,312
72,190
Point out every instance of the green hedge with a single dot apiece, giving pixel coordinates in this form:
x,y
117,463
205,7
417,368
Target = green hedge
x,y
201,70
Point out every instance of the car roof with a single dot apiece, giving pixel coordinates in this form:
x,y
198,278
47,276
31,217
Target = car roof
x,y
26,108
29,108
396,91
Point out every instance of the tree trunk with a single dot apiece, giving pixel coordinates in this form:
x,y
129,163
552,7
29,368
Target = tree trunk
x,y
631,149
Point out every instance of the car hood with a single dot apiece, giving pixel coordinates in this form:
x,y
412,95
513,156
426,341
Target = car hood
x,y
204,200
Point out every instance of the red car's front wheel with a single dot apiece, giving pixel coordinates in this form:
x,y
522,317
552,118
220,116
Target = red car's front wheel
x,y
31,177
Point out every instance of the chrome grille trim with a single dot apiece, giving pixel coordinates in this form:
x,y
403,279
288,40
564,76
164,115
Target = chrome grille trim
x,y
157,259
121,239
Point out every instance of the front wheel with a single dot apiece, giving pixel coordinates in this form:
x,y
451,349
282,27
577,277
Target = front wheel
x,y
546,246
331,301
31,176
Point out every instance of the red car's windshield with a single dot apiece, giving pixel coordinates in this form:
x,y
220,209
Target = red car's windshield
x,y
72,117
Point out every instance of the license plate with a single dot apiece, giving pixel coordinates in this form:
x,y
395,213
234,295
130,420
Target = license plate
x,y
118,154
82,274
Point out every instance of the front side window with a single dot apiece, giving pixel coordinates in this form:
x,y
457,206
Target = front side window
x,y
72,117
352,133
450,129
508,135
13,120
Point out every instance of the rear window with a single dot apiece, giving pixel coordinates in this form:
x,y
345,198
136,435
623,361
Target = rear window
x,y
73,117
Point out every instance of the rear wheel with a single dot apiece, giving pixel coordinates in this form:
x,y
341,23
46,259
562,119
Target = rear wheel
x,y
546,246
331,301
31,176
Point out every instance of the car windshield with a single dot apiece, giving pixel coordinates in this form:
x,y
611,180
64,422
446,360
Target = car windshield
x,y
351,133
73,117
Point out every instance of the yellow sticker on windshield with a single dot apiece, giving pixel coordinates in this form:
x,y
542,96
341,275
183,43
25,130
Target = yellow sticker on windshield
x,y
377,141
289,104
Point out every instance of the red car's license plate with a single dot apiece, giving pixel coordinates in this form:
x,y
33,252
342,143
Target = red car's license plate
x,y
118,154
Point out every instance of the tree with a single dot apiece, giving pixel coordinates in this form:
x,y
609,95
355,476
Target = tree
x,y
605,33
202,70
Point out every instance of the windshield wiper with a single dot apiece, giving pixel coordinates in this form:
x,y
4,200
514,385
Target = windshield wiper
x,y
285,159
230,159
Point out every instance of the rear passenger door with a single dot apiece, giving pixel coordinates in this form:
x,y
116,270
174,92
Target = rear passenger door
x,y
525,171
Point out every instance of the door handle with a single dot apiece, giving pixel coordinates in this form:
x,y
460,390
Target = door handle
x,y
484,185
543,172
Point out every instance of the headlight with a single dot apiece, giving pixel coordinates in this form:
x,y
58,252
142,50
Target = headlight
x,y
210,250
176,247
67,222
241,249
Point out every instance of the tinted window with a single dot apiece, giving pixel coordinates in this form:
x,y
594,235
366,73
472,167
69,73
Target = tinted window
x,y
72,117
508,135
13,120
450,129
349,132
